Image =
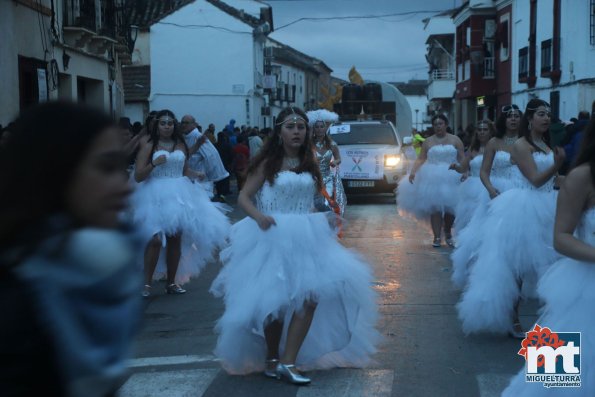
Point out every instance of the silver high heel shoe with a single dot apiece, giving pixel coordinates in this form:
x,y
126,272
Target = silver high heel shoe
x,y
268,373
284,371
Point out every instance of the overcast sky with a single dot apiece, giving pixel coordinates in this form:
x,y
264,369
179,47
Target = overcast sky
x,y
385,49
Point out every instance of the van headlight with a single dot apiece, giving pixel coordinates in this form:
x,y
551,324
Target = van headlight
x,y
391,160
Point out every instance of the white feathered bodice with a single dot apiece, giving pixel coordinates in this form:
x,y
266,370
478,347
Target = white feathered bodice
x,y
543,161
475,165
586,228
291,193
442,154
172,168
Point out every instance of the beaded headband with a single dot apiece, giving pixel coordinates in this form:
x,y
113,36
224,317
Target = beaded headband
x,y
293,118
543,104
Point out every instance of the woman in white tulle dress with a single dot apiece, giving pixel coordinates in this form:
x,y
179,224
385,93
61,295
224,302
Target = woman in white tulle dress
x,y
432,191
293,295
172,211
497,175
567,287
516,243
471,191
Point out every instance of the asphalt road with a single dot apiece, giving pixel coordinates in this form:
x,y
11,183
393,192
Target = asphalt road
x,y
424,354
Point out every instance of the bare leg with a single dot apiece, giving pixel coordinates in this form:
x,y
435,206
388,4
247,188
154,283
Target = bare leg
x,y
449,220
174,251
296,333
272,335
436,221
151,257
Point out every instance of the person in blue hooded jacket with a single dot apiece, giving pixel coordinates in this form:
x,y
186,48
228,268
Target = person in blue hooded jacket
x,y
68,282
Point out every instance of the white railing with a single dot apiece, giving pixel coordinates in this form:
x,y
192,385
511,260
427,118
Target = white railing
x,y
442,74
489,68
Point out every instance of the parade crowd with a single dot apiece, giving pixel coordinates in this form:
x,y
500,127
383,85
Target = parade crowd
x,y
93,214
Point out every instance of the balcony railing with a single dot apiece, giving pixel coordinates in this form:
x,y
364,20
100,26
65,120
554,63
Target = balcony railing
x,y
442,74
100,18
489,68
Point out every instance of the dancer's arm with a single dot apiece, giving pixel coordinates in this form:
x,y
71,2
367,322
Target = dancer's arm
x,y
486,168
462,165
523,157
253,183
144,165
576,194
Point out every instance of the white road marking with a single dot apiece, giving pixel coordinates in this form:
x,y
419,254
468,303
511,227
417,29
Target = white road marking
x,y
168,360
185,383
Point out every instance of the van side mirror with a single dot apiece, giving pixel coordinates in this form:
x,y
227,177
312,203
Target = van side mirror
x,y
407,141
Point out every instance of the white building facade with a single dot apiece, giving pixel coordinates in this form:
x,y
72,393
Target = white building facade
x,y
206,59
553,53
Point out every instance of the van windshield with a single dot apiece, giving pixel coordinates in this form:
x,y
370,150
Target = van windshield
x,y
367,133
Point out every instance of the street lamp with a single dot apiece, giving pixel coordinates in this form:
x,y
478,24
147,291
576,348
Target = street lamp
x,y
416,124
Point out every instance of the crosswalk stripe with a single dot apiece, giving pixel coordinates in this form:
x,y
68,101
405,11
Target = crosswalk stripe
x,y
349,383
492,385
168,360
183,383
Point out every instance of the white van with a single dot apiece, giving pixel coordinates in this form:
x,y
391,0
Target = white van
x,y
370,154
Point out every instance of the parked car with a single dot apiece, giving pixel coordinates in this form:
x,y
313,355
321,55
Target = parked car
x,y
371,155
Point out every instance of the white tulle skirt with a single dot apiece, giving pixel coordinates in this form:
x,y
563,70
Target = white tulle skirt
x,y
569,296
516,247
169,206
270,274
472,195
470,236
434,189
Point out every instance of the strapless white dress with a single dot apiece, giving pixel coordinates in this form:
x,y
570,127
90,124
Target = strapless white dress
x,y
569,296
516,244
502,176
435,187
270,274
167,203
472,194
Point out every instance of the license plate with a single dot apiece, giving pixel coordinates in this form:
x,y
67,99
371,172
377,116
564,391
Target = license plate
x,y
360,183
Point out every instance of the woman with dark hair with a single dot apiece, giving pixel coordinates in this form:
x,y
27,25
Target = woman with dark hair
x,y
286,277
433,193
329,159
68,284
567,287
172,211
516,243
496,174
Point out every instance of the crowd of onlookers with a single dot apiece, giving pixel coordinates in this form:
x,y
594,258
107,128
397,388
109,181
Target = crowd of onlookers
x,y
235,145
